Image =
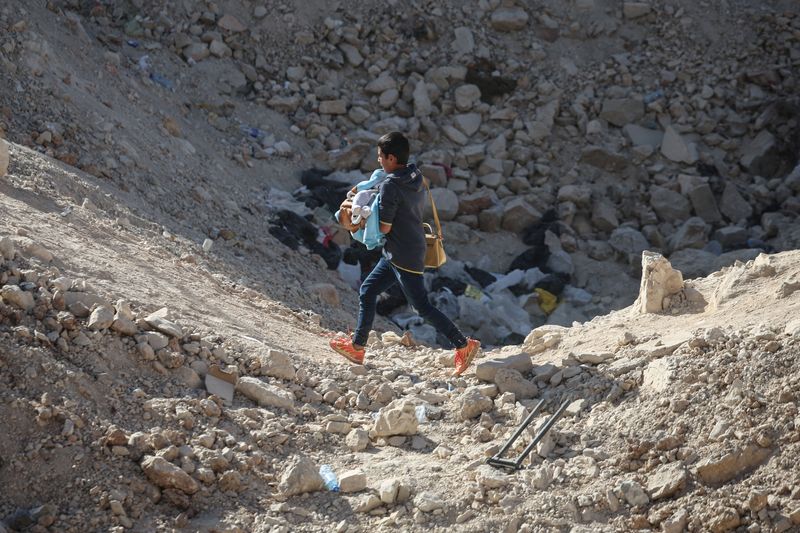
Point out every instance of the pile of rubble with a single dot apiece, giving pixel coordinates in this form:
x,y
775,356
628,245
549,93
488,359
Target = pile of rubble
x,y
151,422
611,156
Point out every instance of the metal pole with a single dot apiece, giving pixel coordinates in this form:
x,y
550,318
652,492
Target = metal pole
x,y
520,429
542,432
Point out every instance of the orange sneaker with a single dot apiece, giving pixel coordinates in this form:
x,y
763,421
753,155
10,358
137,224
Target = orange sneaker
x,y
465,355
344,346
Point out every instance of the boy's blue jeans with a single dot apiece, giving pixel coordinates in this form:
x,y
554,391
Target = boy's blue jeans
x,y
382,277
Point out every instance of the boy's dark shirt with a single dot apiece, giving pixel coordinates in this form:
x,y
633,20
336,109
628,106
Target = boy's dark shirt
x,y
402,203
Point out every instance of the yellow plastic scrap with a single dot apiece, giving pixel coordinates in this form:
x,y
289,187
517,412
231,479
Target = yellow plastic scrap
x,y
473,292
547,300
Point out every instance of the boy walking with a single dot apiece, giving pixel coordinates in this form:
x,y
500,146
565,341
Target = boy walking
x,y
403,261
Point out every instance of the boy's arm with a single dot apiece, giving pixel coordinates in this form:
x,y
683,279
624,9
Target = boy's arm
x,y
388,208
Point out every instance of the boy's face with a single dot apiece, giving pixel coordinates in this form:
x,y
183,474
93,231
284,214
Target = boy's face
x,y
388,162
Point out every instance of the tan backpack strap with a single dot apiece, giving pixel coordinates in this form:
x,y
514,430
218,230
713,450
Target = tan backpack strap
x,y
433,208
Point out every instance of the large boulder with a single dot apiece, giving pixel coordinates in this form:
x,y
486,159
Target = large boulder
x,y
659,280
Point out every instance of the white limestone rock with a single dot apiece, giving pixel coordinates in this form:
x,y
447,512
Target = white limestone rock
x,y
301,476
659,281
397,418
264,394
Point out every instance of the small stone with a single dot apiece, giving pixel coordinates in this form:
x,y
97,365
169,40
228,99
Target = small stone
x,y
159,322
428,502
422,101
508,19
464,41
388,490
715,470
381,84
675,148
217,49
367,504
265,394
761,156
487,370
733,205
5,158
466,96
124,326
634,494
397,418
725,519
196,52
277,364
352,481
468,123
17,297
667,480
167,475
351,54
677,522
622,111
510,380
519,215
635,10
301,476
576,407
231,23
357,440
101,318
640,136
472,403
156,340
488,477
333,107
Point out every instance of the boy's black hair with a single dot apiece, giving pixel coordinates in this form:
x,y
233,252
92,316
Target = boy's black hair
x,y
396,144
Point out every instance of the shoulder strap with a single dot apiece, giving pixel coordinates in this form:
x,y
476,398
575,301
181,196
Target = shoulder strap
x,y
433,208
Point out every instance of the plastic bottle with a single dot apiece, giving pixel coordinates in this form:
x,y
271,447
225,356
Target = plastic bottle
x,y
420,412
329,478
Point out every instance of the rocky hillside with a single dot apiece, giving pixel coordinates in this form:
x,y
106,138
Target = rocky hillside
x,y
170,273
